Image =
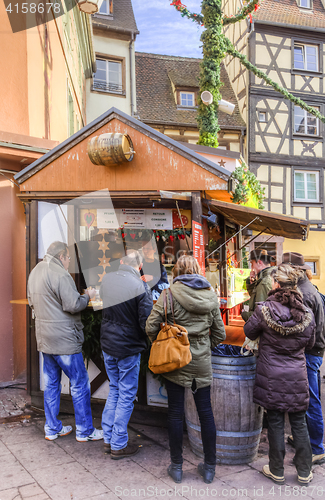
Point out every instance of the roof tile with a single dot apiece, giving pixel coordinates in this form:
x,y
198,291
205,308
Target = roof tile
x,y
288,12
155,99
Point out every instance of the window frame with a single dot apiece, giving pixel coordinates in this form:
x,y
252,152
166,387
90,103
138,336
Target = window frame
x,y
316,260
258,115
186,92
306,8
306,200
297,135
109,9
307,42
108,58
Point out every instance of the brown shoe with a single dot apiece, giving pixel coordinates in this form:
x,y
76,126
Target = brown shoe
x,y
128,451
107,448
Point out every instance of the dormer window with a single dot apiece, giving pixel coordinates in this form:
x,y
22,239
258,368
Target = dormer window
x,y
187,99
305,4
106,8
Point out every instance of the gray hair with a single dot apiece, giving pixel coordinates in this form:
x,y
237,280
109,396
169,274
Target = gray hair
x,y
132,258
287,276
57,248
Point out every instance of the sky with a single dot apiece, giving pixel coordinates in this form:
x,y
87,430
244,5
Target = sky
x,y
164,31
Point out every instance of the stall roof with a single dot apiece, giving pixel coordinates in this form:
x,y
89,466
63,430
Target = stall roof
x,y
105,118
262,220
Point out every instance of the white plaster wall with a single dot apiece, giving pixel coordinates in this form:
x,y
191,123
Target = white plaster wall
x,y
99,103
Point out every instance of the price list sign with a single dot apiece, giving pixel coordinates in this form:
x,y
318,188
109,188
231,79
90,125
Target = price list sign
x,y
198,245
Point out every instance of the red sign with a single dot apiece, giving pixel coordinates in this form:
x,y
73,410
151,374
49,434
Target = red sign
x,y
198,245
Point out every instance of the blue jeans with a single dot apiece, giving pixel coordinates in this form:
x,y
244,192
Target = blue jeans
x,y
74,367
123,375
176,394
314,415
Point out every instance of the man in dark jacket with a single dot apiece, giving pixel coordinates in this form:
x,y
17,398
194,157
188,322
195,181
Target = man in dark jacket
x,y
314,359
259,282
127,303
56,304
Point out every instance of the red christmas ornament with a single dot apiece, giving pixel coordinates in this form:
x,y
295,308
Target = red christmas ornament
x,y
123,235
171,237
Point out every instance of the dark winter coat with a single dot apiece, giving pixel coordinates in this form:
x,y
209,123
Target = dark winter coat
x,y
281,377
313,300
258,290
127,303
196,308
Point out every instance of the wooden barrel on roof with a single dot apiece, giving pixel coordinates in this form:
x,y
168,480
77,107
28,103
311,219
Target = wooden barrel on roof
x,y
110,149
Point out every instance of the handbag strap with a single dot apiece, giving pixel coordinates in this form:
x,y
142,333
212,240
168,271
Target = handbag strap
x,y
171,303
165,304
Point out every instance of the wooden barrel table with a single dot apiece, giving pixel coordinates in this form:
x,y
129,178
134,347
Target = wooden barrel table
x,y
238,420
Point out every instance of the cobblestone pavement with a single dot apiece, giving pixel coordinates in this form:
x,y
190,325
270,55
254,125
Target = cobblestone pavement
x,y
35,469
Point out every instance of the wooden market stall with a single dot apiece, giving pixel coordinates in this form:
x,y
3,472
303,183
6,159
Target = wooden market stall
x,y
99,193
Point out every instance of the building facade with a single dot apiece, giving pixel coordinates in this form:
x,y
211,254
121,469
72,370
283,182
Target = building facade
x,y
285,144
42,84
113,83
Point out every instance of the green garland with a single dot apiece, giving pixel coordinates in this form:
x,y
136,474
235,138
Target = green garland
x,y
247,186
215,47
299,102
244,12
214,50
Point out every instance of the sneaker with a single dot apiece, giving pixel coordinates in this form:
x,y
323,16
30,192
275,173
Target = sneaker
x,y
128,451
318,459
107,448
305,480
277,479
96,435
66,429
290,440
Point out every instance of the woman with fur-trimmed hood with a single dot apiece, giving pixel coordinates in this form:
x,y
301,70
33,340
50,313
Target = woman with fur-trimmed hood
x,y
286,327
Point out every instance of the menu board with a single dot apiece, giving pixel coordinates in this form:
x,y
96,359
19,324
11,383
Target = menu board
x,y
198,245
159,219
107,218
133,218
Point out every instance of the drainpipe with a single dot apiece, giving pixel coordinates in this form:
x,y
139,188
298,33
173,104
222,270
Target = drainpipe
x,y
131,75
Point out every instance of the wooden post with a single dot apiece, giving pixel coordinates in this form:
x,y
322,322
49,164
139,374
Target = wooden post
x,y
31,261
223,258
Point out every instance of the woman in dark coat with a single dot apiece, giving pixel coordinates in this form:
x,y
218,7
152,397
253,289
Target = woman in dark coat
x,y
286,327
196,308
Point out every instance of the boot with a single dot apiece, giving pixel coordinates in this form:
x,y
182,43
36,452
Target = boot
x,y
175,472
207,472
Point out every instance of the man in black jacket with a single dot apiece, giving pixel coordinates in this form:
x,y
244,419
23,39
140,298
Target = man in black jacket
x,y
314,359
127,303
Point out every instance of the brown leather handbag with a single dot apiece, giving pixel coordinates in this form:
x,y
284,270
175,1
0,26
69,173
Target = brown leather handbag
x,y
171,349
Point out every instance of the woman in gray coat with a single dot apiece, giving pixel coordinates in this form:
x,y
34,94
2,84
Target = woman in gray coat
x,y
196,308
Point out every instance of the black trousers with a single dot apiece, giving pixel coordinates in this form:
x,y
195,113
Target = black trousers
x,y
202,400
303,455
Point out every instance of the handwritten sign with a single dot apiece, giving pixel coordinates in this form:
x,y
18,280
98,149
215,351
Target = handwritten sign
x,y
198,245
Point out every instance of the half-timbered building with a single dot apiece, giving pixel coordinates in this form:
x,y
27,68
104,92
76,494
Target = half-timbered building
x,y
285,144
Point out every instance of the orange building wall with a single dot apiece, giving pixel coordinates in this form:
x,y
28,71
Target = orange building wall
x,y
6,341
73,171
18,235
13,283
13,78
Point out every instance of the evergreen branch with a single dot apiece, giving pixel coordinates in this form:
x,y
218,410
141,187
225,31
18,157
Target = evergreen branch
x,y
245,11
198,18
260,74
